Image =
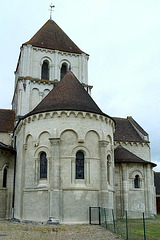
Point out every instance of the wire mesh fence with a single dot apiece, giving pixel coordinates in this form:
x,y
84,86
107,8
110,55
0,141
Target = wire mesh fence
x,y
129,225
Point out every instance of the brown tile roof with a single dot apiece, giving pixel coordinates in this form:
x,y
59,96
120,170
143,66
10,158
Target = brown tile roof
x,y
125,131
6,147
68,94
7,118
51,36
139,128
157,182
122,155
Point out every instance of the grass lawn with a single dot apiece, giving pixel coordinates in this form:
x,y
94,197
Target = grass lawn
x,y
136,230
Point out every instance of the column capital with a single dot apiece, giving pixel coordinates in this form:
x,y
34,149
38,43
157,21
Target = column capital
x,y
54,141
103,143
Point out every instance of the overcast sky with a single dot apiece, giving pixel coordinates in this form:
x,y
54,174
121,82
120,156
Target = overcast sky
x,y
122,38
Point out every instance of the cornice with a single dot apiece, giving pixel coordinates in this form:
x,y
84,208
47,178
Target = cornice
x,y
37,80
76,114
52,51
131,143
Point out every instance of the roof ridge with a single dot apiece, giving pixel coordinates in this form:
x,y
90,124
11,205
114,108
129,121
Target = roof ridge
x,y
6,109
69,94
51,36
135,158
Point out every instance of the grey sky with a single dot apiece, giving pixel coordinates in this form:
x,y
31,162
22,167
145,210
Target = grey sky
x,y
122,38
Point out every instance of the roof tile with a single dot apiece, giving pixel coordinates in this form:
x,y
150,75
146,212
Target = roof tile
x,y
68,94
7,118
122,155
51,36
125,131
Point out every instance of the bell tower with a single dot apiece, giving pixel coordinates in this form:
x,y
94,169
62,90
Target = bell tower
x,y
42,62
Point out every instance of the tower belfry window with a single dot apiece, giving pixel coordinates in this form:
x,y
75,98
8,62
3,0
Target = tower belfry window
x,y
80,165
63,70
45,70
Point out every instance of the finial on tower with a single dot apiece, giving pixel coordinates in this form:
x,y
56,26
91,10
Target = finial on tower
x,y
51,10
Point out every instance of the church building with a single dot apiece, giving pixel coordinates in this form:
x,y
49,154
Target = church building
x,y
59,153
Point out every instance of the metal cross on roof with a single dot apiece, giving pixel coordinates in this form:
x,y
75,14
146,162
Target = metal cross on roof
x,y
51,10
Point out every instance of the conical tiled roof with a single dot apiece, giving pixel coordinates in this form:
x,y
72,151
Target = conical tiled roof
x,y
122,155
68,94
51,36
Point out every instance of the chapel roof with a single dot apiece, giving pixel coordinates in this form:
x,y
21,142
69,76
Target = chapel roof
x,y
122,155
6,147
7,117
157,182
51,36
70,95
128,130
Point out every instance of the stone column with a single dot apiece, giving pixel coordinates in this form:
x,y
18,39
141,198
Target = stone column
x,y
103,172
73,169
125,186
41,96
56,67
55,193
149,192
87,172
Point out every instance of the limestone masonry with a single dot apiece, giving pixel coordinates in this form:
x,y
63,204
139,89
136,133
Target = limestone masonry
x,y
59,153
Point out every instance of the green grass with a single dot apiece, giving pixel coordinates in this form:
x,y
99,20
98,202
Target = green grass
x,y
136,230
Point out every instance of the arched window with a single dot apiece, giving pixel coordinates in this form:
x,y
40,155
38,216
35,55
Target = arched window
x,y
45,70
5,177
63,70
79,165
43,165
137,181
108,168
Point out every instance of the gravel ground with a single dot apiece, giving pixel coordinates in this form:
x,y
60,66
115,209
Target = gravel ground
x,y
14,231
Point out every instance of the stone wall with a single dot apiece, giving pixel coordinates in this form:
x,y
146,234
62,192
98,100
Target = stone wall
x,y
131,199
3,202
29,88
60,135
6,162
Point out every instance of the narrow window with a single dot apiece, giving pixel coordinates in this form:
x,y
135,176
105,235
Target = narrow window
x,y
80,165
45,70
43,165
137,181
5,177
63,70
108,168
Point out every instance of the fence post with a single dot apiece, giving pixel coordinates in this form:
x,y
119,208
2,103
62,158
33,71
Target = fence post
x,y
114,224
126,226
89,215
144,228
99,216
105,218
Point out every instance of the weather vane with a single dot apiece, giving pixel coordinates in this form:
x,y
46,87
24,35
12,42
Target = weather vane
x,y
51,10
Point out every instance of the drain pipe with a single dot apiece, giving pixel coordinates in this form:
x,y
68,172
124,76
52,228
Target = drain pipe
x,y
14,179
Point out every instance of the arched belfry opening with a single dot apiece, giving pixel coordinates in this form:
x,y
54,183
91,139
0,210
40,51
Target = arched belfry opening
x,y
64,69
45,70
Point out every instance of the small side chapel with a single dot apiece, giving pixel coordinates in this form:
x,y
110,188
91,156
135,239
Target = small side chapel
x,y
59,153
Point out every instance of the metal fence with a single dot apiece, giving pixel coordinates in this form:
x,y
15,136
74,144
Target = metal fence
x,y
124,226
94,215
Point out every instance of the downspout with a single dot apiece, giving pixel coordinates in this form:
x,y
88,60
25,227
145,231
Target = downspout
x,y
14,180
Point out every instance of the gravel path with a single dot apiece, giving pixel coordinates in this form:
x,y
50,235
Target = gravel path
x,y
13,231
